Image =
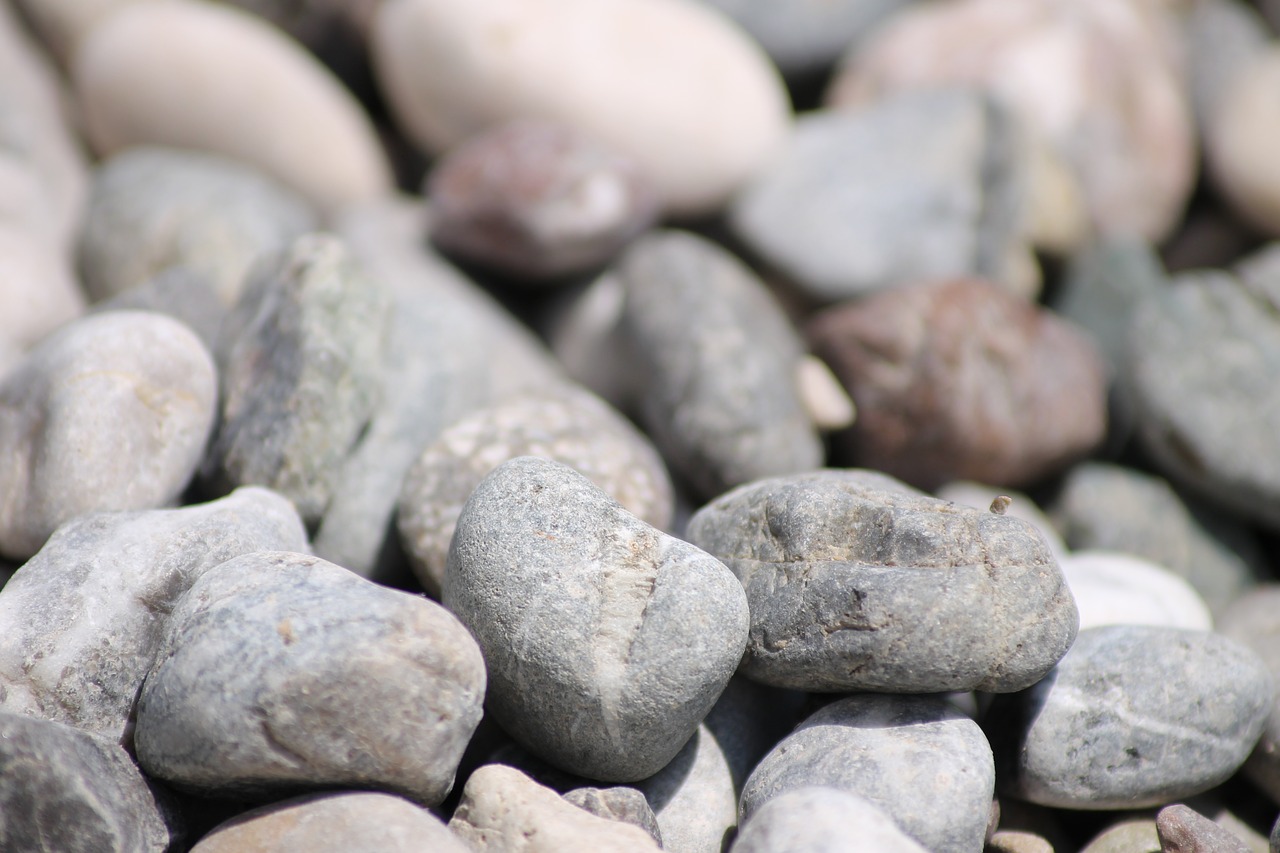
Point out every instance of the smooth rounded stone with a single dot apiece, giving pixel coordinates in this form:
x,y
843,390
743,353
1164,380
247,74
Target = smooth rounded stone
x,y
1182,830
1111,588
1254,620
62,24
537,200
67,791
922,762
1220,39
38,288
1212,424
152,208
333,823
849,573
621,803
305,129
919,186
606,640
749,719
504,810
718,359
983,497
1245,127
1132,716
111,412
301,363
280,670
957,380
83,618
670,83
1015,841
1129,836
693,797
1099,81
1109,507
182,293
572,427
821,820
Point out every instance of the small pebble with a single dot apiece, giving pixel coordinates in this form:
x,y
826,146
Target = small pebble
x,y
1118,589
1129,836
620,803
1183,830
821,820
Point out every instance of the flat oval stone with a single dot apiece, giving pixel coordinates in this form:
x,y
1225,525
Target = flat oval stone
x,y
1119,589
1133,716
305,128
606,640
849,575
672,84
110,412
823,819
923,763
281,671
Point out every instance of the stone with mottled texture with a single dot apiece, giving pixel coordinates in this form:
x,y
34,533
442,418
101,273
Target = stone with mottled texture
x,y
821,820
1183,830
619,803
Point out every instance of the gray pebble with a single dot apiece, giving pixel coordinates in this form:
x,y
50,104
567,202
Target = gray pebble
x,y
282,671
1128,836
67,791
301,363
153,208
111,412
183,293
693,797
1133,716
607,641
619,803
1254,620
917,758
850,573
749,719
571,426
1182,830
822,820
1220,38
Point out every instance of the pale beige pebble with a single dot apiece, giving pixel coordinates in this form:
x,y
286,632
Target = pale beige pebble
x,y
1101,80
38,289
230,84
1015,841
1241,146
61,24
672,83
1128,836
504,811
824,398
1111,588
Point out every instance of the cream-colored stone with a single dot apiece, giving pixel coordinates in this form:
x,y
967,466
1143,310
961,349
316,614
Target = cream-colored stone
x,y
193,74
829,406
1242,144
38,290
61,24
671,83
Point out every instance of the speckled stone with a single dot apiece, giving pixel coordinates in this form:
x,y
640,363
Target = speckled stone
x,y
1183,830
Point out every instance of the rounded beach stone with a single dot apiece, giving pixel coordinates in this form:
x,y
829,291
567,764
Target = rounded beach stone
x,y
502,809
111,412
1183,830
38,289
301,362
537,200
571,426
924,185
821,820
153,208
668,82
1133,716
180,292
1127,836
606,640
923,763
1254,620
1111,588
333,823
67,791
304,128
1245,128
957,379
850,573
693,796
83,618
620,803
280,670
1221,38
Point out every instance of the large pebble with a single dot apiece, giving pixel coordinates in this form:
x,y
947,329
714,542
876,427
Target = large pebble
x,y
82,620
570,426
606,640
233,85
280,670
849,575
957,379
111,412
922,762
1133,716
153,208
1254,620
1245,128
301,361
668,82
821,820
1111,588
67,791
1184,830
919,186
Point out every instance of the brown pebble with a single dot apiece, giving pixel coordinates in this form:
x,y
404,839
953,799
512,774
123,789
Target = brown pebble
x,y
1183,830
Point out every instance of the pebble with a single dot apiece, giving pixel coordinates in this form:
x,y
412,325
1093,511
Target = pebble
x,y
153,208
1182,830
571,426
182,293
919,186
305,129
1129,836
1015,841
333,823
917,758
300,368
693,796
38,288
1246,125
749,719
1253,620
956,379
849,575
111,412
1111,588
68,791
606,640
83,618
619,803
1133,716
1221,38
537,200
672,84
821,820
279,670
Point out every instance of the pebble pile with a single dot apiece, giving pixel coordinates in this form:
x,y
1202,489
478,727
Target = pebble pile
x,y
579,426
